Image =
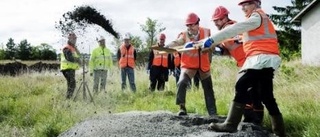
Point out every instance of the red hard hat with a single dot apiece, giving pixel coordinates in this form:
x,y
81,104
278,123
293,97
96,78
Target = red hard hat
x,y
192,18
162,36
219,12
244,1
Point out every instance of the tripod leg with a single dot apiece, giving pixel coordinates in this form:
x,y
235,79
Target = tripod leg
x,y
77,92
89,93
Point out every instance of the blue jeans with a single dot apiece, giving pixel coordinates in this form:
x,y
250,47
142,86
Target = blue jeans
x,y
127,71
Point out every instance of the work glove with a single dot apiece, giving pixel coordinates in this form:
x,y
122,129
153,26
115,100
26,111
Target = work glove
x,y
218,50
207,43
148,71
188,45
170,72
91,74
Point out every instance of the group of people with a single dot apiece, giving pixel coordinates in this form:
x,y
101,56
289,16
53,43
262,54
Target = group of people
x,y
252,43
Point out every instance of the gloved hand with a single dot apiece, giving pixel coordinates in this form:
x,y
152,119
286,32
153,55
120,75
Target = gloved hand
x,y
91,74
148,71
188,45
170,72
218,50
207,43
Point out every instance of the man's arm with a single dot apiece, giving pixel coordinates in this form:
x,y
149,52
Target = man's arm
x,y
135,54
68,55
253,22
178,42
151,56
118,54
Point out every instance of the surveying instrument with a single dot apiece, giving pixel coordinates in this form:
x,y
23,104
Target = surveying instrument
x,y
84,83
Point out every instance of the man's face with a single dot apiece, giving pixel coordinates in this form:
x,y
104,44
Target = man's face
x,y
193,28
102,43
161,42
219,23
127,42
248,7
72,38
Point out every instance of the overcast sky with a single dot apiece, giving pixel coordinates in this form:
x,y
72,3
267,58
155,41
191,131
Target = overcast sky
x,y
35,20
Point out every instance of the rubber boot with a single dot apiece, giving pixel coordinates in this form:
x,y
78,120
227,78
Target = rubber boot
x,y
248,114
259,117
183,110
232,121
209,96
278,125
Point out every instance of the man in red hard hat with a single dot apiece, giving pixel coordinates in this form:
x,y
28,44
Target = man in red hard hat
x,y
233,47
192,62
158,66
260,45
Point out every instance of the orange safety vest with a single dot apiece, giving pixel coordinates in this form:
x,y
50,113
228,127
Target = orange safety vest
x,y
235,49
177,59
191,59
261,40
127,56
160,59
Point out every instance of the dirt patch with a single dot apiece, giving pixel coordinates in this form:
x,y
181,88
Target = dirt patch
x,y
156,124
17,68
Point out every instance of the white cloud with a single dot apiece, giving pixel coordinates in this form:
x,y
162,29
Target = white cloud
x,y
34,20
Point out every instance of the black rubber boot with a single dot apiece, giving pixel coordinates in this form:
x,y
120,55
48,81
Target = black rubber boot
x,y
232,121
278,125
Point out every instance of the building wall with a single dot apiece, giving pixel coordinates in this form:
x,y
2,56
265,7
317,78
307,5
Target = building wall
x,y
310,40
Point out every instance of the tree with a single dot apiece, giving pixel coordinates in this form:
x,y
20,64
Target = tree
x,y
289,34
152,28
11,49
24,50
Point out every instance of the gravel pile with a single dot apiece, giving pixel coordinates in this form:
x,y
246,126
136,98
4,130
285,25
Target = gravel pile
x,y
156,124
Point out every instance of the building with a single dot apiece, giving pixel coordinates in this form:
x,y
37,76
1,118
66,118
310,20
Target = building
x,y
310,33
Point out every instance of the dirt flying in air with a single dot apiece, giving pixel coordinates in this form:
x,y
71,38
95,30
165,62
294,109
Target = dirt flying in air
x,y
83,16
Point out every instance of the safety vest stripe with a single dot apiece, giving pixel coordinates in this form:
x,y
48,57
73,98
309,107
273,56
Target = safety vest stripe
x,y
266,34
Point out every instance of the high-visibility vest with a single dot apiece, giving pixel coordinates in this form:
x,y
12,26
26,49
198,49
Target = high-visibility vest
x,y
195,59
177,59
235,49
65,64
127,56
261,40
100,59
160,59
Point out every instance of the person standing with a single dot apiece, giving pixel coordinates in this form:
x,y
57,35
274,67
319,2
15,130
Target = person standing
x,y
158,66
254,110
192,62
127,56
260,45
100,62
70,62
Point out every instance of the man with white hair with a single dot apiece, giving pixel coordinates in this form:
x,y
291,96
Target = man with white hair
x,y
260,45
100,62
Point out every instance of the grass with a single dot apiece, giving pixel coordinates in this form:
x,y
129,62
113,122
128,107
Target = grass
x,y
34,104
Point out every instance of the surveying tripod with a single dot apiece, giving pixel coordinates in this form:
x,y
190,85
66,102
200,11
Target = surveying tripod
x,y
84,83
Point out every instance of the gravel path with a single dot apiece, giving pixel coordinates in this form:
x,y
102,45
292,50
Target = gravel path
x,y
156,124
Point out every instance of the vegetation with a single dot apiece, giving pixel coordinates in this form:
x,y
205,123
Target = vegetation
x,y
34,104
289,34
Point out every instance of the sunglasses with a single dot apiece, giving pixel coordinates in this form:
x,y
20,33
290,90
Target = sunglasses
x,y
190,25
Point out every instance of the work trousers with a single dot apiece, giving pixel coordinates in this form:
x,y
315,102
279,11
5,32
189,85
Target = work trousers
x,y
71,81
99,78
263,79
158,77
184,82
127,72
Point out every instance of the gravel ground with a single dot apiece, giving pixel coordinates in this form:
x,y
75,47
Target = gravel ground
x,y
156,124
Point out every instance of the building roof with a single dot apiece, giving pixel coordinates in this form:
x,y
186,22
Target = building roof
x,y
304,11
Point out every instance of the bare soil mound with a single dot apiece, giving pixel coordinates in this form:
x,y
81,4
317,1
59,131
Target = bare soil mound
x,y
156,124
16,68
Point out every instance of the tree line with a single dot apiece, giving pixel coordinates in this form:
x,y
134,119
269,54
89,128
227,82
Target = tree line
x,y
24,51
